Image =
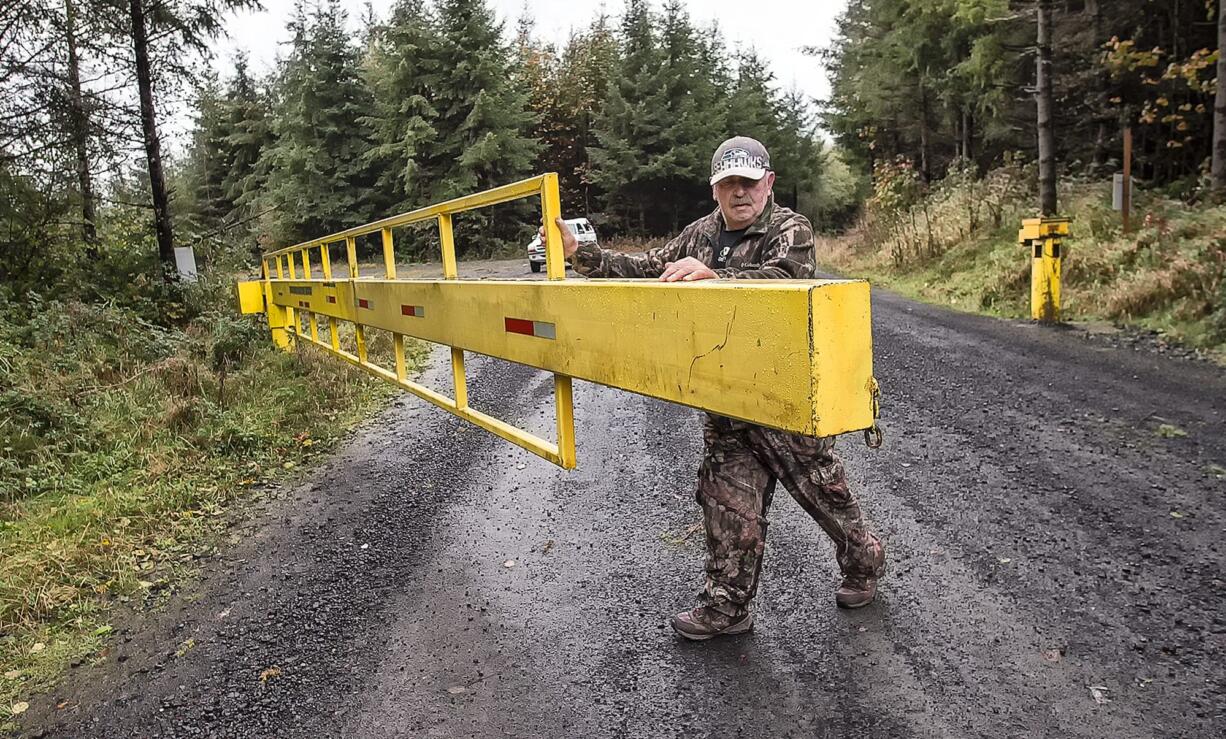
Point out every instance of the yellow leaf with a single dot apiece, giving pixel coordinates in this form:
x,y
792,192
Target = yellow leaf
x,y
18,708
38,647
270,673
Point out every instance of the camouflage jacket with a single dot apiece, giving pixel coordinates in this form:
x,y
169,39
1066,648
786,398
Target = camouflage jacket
x,y
779,245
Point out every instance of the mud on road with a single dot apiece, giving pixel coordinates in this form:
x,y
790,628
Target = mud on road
x,y
1056,570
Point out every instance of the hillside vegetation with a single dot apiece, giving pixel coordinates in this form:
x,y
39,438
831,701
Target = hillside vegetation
x,y
125,441
956,244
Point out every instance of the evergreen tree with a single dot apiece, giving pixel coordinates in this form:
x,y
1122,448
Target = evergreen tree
x,y
210,158
318,180
699,120
587,63
755,109
483,124
538,74
403,68
483,116
801,160
631,161
249,135
910,77
450,118
935,80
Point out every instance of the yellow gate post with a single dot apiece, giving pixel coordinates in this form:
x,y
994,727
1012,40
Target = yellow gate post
x,y
256,296
1045,237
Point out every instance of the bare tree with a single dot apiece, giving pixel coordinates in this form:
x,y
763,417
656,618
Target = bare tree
x,y
153,146
185,27
1219,108
1043,99
79,132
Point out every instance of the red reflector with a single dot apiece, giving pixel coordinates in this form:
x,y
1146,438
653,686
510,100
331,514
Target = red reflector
x,y
519,326
363,303
416,311
331,298
539,329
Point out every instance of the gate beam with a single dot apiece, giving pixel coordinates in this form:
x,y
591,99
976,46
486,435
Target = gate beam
x,y
793,355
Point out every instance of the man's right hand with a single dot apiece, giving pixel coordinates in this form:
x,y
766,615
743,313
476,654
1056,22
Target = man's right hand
x,y
569,243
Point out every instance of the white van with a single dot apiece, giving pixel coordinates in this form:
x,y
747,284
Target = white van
x,y
583,231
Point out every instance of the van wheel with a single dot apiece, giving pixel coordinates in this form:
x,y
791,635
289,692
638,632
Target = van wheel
x,y
536,266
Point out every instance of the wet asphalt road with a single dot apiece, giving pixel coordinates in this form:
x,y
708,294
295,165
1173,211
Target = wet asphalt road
x,y
1056,570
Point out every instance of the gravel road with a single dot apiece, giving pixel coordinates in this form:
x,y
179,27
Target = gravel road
x,y
1056,569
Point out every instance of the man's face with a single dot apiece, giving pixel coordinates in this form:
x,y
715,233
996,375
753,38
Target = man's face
x,y
742,200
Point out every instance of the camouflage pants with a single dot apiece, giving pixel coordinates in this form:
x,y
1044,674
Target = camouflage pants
x,y
736,481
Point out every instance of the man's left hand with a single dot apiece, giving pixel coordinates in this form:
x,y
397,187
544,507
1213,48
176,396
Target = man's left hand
x,y
687,270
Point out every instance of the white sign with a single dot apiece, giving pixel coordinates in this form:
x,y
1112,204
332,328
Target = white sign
x,y
185,261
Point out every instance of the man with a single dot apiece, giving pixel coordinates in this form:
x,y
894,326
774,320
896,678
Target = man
x,y
749,237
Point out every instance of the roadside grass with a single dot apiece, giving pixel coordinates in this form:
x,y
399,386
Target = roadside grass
x,y
1168,275
124,446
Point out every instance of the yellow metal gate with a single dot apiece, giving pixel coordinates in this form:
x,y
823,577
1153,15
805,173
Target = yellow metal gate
x,y
791,354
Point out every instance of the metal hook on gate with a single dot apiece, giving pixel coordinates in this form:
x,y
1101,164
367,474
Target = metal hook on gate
x,y
873,437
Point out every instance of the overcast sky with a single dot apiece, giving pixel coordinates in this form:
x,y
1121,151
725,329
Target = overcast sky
x,y
778,29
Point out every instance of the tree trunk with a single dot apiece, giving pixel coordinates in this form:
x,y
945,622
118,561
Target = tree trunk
x,y
80,136
1103,80
925,172
957,124
1047,140
1219,108
967,122
1100,145
153,149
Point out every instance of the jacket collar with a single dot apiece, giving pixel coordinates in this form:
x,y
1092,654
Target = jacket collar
x,y
757,228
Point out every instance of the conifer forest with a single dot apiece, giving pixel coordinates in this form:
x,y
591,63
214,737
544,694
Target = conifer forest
x,y
441,98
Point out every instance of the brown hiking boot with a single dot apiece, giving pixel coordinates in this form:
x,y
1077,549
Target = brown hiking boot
x,y
705,622
856,592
